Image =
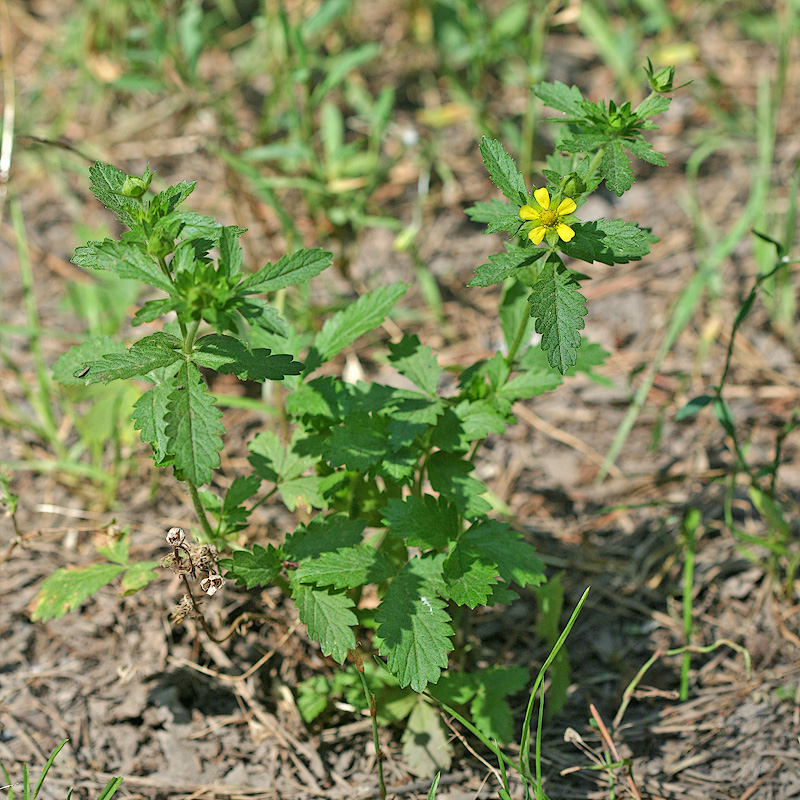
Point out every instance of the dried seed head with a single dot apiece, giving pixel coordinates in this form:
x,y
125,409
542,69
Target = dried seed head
x,y
212,584
176,537
204,557
182,610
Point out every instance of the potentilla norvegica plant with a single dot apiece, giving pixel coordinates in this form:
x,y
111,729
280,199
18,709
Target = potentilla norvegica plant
x,y
386,473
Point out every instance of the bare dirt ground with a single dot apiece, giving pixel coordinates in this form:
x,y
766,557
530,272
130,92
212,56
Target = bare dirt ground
x,y
180,717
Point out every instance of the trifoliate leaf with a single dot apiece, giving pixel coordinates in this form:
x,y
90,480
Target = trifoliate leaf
x,y
426,743
449,475
609,241
479,418
347,568
616,169
416,362
516,560
503,171
106,184
328,617
498,215
229,355
126,259
139,575
250,569
66,589
193,426
325,533
469,575
346,326
490,711
150,417
561,97
414,628
72,364
426,522
559,309
154,351
505,265
291,270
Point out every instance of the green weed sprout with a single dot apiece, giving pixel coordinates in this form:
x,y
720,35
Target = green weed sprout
x,y
106,794
386,473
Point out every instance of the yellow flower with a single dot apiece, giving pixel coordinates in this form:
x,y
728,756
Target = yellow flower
x,y
548,221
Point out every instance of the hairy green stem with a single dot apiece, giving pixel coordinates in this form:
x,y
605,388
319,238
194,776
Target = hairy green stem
x,y
515,345
373,713
200,511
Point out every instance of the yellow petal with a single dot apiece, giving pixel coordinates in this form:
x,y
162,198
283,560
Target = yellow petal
x,y
566,206
528,212
537,234
542,197
565,233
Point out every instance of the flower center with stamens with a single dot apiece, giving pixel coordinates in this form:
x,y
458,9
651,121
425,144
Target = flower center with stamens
x,y
549,218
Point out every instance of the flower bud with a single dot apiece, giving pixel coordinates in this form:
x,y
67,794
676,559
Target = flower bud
x,y
133,186
660,80
573,185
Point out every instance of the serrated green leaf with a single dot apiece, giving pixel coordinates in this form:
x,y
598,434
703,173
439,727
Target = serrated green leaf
x,y
358,444
126,259
306,490
427,522
347,568
561,97
609,241
229,355
616,169
502,170
417,363
193,426
450,475
71,364
641,148
328,617
250,569
498,215
505,265
414,628
651,105
153,352
164,203
261,315
559,309
116,548
242,488
66,589
139,575
516,560
325,533
277,463
106,184
426,743
469,575
346,326
149,416
151,310
290,270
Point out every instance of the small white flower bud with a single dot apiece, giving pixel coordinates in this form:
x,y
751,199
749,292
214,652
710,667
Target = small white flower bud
x,y
176,537
212,584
